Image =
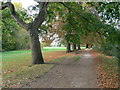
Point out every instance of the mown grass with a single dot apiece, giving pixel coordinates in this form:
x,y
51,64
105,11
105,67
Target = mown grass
x,y
17,59
48,49
17,68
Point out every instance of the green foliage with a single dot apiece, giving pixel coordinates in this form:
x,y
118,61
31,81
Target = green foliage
x,y
110,46
110,64
54,9
22,39
8,31
13,37
110,49
110,9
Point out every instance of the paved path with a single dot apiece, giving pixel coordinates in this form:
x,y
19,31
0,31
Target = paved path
x,y
69,74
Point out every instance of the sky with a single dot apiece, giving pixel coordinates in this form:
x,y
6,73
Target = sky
x,y
25,3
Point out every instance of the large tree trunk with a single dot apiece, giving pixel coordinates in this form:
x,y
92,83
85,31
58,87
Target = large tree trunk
x,y
68,48
37,57
74,46
79,47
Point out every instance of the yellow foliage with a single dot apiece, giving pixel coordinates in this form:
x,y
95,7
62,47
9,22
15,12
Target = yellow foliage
x,y
18,5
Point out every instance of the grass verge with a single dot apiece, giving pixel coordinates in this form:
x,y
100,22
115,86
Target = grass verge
x,y
27,73
107,72
109,64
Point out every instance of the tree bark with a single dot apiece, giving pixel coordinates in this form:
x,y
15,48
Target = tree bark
x,y
74,46
68,48
87,45
79,47
91,45
35,47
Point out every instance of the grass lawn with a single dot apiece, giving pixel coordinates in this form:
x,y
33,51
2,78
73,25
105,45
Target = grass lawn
x,y
19,58
48,49
17,68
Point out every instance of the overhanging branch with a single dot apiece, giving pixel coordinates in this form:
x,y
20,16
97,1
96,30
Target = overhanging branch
x,y
72,9
14,15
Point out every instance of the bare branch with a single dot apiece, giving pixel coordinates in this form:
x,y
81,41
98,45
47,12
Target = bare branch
x,y
14,15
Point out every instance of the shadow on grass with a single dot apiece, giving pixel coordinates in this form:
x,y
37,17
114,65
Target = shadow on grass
x,y
51,63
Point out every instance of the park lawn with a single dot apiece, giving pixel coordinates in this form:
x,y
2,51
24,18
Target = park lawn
x,y
17,63
17,68
48,49
13,60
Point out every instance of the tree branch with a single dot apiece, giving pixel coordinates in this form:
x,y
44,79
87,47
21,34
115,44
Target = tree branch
x,y
14,15
72,9
41,16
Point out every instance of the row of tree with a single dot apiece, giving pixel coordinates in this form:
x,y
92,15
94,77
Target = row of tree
x,y
71,22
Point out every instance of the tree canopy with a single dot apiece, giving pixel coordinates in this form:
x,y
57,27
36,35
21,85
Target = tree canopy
x,y
94,23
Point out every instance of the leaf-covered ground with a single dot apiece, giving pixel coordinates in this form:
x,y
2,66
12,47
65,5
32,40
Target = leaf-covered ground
x,y
17,68
107,70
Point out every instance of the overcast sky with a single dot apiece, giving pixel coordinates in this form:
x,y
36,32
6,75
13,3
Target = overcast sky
x,y
25,3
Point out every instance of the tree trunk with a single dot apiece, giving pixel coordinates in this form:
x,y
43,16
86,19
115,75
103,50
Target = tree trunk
x,y
37,57
33,26
87,45
91,45
79,47
68,48
74,46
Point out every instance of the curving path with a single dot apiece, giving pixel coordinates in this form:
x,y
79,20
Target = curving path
x,y
69,74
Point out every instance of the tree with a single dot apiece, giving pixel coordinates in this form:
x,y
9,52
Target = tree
x,y
32,29
68,48
109,12
52,31
78,45
9,27
13,36
79,21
